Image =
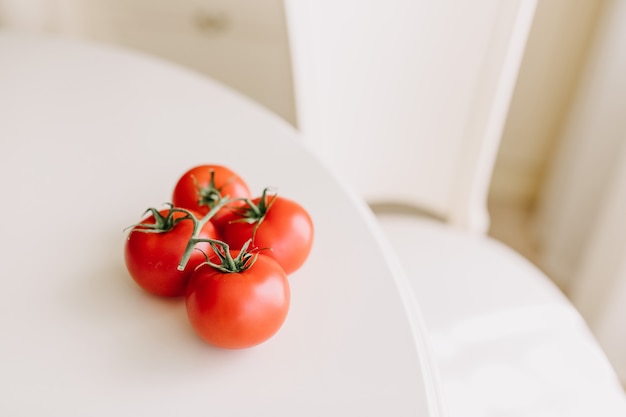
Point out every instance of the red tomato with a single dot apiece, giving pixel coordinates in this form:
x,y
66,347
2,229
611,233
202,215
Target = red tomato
x,y
152,258
277,224
202,187
237,310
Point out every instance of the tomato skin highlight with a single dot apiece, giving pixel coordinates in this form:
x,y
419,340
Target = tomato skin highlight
x,y
238,310
285,233
152,258
187,192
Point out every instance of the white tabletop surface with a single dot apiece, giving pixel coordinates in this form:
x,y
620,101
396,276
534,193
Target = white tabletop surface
x,y
92,136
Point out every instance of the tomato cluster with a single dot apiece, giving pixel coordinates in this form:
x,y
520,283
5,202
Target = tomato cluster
x,y
227,253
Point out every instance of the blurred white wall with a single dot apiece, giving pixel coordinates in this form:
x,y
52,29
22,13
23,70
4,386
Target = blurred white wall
x,y
581,217
241,43
26,14
557,47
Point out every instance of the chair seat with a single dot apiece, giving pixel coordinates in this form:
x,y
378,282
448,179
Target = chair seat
x,y
507,342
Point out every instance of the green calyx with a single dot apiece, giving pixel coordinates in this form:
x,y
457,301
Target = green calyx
x,y
255,213
162,223
209,195
227,264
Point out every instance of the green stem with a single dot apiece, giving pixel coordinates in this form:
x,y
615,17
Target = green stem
x,y
197,227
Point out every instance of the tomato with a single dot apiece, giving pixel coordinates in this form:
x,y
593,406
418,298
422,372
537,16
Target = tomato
x,y
204,186
238,309
277,224
152,258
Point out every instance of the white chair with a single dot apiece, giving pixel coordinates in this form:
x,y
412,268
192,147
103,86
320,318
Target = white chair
x,y
407,100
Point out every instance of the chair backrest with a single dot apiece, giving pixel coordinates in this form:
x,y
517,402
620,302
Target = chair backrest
x,y
407,98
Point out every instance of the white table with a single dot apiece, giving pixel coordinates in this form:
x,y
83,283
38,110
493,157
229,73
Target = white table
x,y
92,136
